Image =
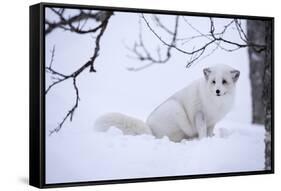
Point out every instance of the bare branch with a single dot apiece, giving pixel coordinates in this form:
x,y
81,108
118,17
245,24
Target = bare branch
x,y
97,47
240,31
160,24
70,113
173,45
60,77
68,23
238,45
196,54
144,54
53,55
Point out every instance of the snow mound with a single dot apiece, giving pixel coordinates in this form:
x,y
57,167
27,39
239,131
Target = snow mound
x,y
112,155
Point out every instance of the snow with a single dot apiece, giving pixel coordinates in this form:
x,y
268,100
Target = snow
x,y
112,155
78,153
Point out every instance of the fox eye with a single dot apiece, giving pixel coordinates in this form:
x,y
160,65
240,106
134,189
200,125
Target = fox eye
x,y
224,82
213,82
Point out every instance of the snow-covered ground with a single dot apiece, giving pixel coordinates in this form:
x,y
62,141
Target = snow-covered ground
x,y
103,156
78,153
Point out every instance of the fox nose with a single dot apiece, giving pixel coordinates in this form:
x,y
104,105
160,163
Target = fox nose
x,y
218,91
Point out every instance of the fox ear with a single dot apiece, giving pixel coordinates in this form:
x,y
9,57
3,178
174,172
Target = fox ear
x,y
207,73
235,75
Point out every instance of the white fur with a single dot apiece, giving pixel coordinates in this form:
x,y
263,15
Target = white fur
x,y
128,125
189,113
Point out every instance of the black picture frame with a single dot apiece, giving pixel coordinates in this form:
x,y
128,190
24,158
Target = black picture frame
x,y
37,96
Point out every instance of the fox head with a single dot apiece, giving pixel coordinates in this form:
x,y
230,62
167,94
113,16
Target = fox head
x,y
221,79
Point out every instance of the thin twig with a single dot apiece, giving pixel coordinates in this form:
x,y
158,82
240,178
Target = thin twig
x,y
60,77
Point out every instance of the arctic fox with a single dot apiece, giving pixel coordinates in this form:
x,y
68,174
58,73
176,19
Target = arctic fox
x,y
190,113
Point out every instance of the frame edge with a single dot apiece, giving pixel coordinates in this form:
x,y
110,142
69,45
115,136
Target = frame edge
x,y
35,150
36,154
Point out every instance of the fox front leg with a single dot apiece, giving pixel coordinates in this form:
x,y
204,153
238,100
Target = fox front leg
x,y
200,125
210,131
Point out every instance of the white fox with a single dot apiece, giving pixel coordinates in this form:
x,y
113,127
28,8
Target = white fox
x,y
190,113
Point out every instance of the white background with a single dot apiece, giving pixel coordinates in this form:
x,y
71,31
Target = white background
x,y
14,41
